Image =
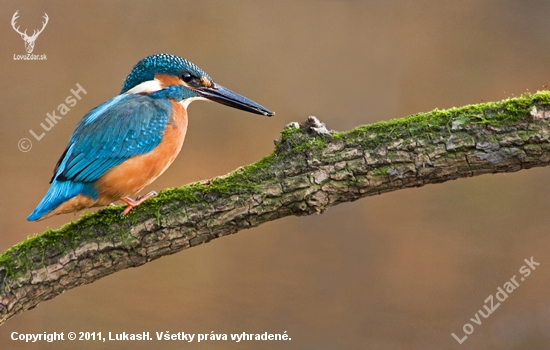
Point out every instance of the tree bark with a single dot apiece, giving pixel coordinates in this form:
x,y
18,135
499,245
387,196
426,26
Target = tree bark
x,y
310,170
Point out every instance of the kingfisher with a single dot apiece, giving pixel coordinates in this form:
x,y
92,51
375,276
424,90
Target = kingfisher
x,y
124,144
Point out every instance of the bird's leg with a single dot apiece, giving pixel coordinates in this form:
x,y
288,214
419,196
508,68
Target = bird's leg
x,y
134,203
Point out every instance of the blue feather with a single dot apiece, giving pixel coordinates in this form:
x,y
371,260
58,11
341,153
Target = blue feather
x,y
97,111
146,69
107,136
123,127
59,192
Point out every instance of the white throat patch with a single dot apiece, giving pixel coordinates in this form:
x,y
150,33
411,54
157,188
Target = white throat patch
x,y
146,87
185,103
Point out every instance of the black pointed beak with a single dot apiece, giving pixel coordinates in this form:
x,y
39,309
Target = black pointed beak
x,y
227,97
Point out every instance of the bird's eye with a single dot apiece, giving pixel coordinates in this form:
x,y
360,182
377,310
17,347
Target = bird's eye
x,y
187,77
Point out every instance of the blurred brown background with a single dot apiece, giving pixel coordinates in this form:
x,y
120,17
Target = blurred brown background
x,y
399,271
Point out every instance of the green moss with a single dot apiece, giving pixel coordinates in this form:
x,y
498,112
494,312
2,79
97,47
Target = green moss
x,y
381,171
107,225
498,114
314,143
90,227
288,132
454,155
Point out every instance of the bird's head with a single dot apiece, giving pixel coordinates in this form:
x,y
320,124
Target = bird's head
x,y
170,76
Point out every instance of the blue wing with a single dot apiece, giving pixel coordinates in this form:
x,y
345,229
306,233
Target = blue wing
x,y
126,126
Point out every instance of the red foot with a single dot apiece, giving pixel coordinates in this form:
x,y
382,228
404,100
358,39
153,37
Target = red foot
x,y
134,203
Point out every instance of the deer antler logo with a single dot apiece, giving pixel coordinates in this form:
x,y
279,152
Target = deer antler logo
x,y
29,40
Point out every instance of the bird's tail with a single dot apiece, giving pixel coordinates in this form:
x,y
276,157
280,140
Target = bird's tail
x,y
59,193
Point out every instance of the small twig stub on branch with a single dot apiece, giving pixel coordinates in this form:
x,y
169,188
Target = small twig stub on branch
x,y
310,170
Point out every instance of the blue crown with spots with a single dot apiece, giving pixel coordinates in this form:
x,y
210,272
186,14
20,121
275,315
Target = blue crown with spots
x,y
163,63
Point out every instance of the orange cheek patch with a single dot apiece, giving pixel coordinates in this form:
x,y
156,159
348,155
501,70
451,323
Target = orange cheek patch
x,y
206,82
167,80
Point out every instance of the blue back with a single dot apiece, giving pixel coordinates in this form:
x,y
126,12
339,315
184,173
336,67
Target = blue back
x,y
126,126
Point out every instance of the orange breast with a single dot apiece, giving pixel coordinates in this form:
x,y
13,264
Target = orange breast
x,y
130,177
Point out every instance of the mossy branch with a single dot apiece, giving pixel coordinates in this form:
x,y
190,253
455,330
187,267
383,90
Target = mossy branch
x,y
310,170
